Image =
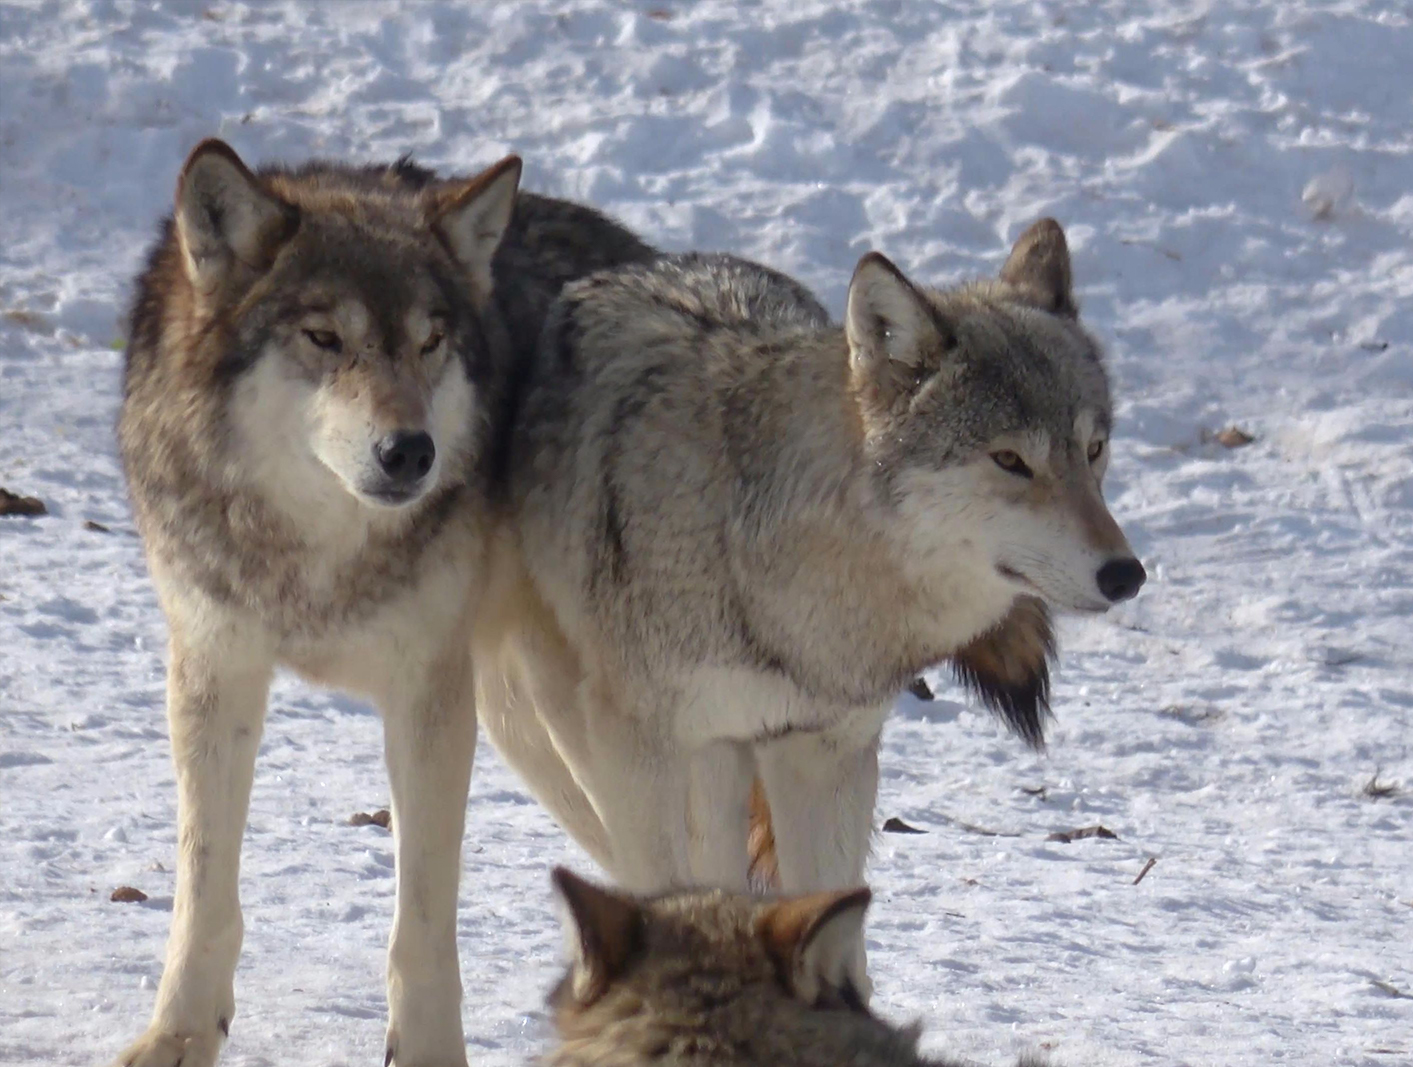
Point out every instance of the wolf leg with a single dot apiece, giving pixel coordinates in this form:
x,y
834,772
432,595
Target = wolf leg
x,y
526,670
821,788
217,686
512,721
821,795
638,781
429,739
718,815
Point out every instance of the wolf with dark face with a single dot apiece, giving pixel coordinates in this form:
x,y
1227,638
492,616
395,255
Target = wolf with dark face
x,y
739,531
319,366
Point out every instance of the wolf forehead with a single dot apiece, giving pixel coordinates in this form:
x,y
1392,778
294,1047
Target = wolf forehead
x,y
363,231
1016,368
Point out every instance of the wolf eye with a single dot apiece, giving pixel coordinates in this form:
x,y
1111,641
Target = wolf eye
x,y
1011,463
1096,449
325,339
433,343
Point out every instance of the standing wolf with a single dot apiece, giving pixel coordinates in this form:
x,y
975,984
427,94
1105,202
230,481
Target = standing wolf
x,y
319,359
717,979
740,531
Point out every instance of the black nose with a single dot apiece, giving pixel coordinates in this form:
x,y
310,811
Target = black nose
x,y
1120,579
406,456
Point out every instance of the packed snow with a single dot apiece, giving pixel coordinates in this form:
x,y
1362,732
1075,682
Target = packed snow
x,y
1237,185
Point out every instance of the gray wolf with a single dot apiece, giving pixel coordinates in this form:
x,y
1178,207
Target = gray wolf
x,y
318,369
710,978
737,531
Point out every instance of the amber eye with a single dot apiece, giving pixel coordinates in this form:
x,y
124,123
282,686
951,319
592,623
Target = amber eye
x,y
433,343
1096,449
325,339
1011,463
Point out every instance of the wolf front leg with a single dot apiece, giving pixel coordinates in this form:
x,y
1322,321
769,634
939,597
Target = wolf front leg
x,y
821,788
218,683
430,742
719,815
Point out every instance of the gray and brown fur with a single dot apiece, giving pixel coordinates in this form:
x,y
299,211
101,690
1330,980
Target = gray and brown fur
x,y
293,330
717,979
738,531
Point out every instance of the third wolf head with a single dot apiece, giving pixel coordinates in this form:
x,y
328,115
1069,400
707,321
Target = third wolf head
x,y
986,410
345,309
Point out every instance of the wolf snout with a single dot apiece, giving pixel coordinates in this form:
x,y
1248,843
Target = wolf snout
x,y
1121,579
405,456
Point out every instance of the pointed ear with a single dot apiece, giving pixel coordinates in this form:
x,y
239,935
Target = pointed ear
x,y
1039,265
889,326
813,939
473,216
225,218
604,931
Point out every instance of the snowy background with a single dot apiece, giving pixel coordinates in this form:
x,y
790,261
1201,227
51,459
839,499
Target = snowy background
x,y
1226,722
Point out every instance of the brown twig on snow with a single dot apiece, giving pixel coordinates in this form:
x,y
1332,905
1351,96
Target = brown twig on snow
x,y
1391,989
1146,868
1084,831
1377,790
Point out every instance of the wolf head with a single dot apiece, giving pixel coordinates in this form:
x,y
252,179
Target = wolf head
x,y
986,413
682,954
344,309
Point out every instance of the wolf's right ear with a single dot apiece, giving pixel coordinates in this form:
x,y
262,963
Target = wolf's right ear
x,y
1039,267
225,218
813,940
473,217
890,328
604,928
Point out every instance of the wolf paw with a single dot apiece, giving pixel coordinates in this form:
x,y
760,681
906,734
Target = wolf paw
x,y
163,1048
402,1057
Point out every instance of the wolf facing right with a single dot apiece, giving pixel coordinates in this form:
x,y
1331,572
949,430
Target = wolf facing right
x,y
737,532
708,978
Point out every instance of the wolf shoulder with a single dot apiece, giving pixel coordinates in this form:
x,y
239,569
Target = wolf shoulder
x,y
712,302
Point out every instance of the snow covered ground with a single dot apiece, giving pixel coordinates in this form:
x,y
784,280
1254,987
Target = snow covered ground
x,y
1225,722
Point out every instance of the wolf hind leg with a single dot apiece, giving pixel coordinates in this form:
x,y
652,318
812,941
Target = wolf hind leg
x,y
514,726
218,683
526,674
638,780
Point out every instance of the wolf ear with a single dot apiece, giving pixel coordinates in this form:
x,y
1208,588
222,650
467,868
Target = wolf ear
x,y
813,939
889,326
1039,266
474,214
225,218
604,931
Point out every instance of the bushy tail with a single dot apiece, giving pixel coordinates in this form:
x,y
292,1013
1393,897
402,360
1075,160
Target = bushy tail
x,y
765,868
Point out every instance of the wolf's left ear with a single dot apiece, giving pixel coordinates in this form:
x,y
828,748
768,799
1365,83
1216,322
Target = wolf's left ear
x,y
473,217
813,939
604,930
890,328
1039,266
